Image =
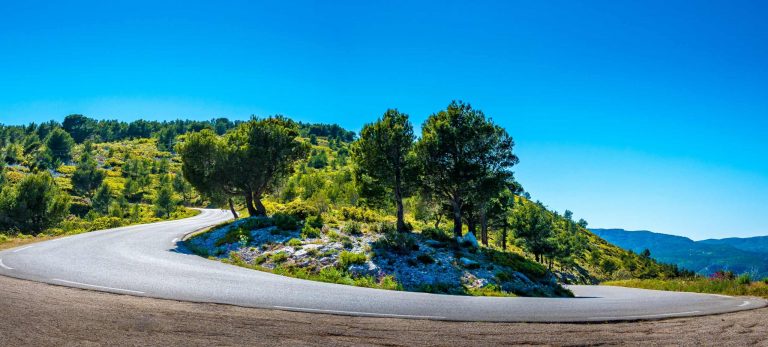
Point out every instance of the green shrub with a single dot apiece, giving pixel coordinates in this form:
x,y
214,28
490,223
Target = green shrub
x,y
309,232
425,259
300,210
353,228
102,223
436,234
254,223
332,235
279,257
260,259
765,280
347,258
394,241
744,279
385,228
314,221
359,214
234,235
285,222
294,242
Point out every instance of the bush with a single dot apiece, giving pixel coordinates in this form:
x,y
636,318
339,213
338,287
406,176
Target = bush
x,y
385,228
314,221
425,259
744,279
279,257
102,223
347,258
294,242
309,232
723,276
359,214
436,234
299,209
254,223
765,280
353,228
332,235
285,221
234,235
397,242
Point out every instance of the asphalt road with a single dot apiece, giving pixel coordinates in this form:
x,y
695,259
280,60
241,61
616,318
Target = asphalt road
x,y
144,260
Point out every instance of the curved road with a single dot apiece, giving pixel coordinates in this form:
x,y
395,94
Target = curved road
x,y
143,260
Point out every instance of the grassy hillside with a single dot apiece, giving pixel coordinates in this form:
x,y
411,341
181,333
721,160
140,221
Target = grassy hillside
x,y
703,257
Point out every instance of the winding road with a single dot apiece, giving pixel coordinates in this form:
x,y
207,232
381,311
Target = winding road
x,y
144,260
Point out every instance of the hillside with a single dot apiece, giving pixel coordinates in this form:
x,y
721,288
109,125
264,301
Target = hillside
x,y
703,257
132,173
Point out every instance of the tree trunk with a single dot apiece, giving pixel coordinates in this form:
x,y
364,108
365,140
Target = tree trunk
x,y
484,228
261,210
504,237
437,221
472,225
456,219
399,201
232,208
249,204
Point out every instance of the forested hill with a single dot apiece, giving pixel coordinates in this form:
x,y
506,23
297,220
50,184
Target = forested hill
x,y
748,255
101,173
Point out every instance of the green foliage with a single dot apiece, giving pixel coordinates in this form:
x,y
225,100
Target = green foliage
x,y
353,228
102,199
285,221
697,285
435,234
278,257
33,205
309,231
315,221
234,235
533,228
59,144
381,154
401,243
463,156
87,175
294,242
359,214
744,279
164,202
347,258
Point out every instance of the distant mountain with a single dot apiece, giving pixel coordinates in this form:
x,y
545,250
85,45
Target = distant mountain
x,y
704,257
757,244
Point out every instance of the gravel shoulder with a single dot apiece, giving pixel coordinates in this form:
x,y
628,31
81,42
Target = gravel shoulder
x,y
37,314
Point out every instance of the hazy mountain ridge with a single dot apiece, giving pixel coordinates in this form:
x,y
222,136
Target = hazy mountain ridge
x,y
704,257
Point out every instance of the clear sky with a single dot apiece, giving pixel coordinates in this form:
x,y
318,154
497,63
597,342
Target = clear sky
x,y
642,115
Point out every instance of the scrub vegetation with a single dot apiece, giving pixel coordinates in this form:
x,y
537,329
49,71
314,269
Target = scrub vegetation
x,y
721,282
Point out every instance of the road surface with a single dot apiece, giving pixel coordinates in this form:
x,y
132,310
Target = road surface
x,y
144,260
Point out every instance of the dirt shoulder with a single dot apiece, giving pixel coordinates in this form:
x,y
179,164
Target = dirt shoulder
x,y
36,314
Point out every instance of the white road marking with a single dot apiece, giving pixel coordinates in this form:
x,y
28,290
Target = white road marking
x,y
649,315
356,313
5,266
21,249
745,303
175,240
95,286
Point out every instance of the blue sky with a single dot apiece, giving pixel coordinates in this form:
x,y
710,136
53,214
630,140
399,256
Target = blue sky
x,y
642,115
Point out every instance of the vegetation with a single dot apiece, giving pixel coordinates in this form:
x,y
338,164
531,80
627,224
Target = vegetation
x,y
738,286
315,180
